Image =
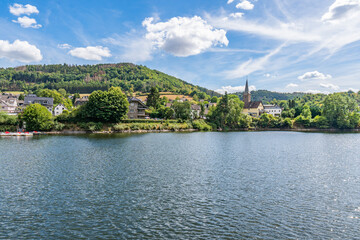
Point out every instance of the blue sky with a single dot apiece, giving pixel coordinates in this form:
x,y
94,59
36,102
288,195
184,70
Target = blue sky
x,y
281,45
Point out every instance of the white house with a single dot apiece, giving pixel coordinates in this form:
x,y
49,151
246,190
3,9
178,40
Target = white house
x,y
8,104
59,109
273,110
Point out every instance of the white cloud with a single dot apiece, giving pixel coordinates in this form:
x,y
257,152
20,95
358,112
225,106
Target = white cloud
x,y
245,4
231,89
316,91
91,53
251,66
292,85
27,22
20,51
340,9
64,46
236,15
330,86
314,75
183,36
133,48
19,9
230,1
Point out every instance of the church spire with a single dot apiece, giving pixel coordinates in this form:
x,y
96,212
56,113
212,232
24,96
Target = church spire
x,y
247,86
247,94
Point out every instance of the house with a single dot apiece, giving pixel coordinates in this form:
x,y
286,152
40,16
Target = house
x,y
59,109
252,108
273,110
81,101
136,109
195,111
44,101
8,104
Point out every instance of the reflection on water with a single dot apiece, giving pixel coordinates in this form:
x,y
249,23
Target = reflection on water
x,y
267,185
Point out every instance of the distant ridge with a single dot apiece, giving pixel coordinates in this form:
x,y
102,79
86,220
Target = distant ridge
x,y
267,96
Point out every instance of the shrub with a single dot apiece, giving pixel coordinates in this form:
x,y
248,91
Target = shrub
x,y
201,125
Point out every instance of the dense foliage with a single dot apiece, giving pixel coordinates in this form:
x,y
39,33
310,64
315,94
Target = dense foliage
x,y
89,78
107,106
268,96
36,117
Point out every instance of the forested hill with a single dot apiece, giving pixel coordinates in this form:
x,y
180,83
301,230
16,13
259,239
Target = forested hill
x,y
268,96
87,78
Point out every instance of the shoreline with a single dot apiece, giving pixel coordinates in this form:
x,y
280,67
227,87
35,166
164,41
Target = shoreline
x,y
309,130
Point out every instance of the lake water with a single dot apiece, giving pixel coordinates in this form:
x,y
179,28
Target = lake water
x,y
261,185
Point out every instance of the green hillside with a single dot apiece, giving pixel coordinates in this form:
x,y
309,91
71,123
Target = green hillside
x,y
267,96
87,78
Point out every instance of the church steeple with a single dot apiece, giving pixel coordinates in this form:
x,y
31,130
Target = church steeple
x,y
247,94
247,86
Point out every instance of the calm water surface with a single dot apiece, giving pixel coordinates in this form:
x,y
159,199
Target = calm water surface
x,y
260,185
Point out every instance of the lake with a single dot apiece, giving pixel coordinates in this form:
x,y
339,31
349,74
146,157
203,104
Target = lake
x,y
235,185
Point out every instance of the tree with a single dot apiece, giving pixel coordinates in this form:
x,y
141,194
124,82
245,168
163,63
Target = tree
x,y
340,111
107,106
214,99
182,110
21,97
37,117
153,100
228,112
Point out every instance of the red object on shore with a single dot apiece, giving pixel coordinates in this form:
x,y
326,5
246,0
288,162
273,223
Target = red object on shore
x,y
35,131
6,132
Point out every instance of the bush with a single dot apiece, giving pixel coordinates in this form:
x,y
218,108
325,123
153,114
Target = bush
x,y
320,122
58,126
91,126
201,125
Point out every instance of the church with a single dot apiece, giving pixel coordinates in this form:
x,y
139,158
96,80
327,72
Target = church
x,y
252,108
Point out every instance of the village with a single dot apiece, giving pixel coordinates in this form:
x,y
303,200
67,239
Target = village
x,y
13,104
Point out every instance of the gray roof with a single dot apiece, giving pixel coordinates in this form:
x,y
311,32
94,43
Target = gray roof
x,y
268,106
42,100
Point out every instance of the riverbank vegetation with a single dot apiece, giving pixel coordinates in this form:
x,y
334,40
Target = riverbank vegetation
x,y
107,111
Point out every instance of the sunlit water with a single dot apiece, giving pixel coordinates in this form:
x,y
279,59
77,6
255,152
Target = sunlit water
x,y
262,185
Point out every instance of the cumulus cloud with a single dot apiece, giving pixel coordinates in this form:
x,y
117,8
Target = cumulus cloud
x,y
314,76
91,53
245,4
19,9
183,36
20,51
292,85
236,15
27,22
330,86
230,1
340,9
64,46
231,89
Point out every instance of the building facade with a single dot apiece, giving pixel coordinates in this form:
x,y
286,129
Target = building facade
x,y
136,109
59,109
273,110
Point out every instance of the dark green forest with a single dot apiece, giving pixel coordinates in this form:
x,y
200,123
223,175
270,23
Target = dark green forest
x,y
88,78
268,96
